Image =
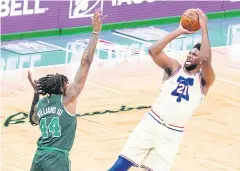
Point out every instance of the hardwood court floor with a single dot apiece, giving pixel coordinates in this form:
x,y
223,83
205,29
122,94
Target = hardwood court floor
x,y
211,141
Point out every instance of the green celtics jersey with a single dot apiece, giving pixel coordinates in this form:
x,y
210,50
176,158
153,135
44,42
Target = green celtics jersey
x,y
58,127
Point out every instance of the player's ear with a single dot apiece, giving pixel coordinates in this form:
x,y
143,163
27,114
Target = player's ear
x,y
64,87
62,90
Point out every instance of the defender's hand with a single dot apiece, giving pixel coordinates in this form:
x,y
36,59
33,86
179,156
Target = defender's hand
x,y
32,82
97,21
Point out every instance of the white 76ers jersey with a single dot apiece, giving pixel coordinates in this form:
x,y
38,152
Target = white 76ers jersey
x,y
180,95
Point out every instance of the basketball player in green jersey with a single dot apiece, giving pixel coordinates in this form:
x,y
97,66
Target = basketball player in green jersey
x,y
55,113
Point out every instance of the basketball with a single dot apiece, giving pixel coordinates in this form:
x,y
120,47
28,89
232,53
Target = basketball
x,y
189,20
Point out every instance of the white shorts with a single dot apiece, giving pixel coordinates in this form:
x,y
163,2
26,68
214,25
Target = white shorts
x,y
151,145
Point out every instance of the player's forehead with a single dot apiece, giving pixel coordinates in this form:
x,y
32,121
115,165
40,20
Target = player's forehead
x,y
195,51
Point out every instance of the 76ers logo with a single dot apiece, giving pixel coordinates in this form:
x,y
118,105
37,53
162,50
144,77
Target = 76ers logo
x,y
182,89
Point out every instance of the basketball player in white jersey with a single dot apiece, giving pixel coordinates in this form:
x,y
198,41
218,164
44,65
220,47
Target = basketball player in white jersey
x,y
155,140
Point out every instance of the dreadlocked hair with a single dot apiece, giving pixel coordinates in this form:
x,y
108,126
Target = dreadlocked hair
x,y
51,84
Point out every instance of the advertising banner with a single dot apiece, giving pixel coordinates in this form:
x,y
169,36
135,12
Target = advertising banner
x,y
33,15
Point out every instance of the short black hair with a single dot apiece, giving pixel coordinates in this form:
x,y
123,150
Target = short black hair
x,y
51,84
197,46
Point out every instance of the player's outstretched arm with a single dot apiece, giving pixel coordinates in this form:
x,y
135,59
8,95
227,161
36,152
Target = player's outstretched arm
x,y
78,83
34,120
160,58
205,53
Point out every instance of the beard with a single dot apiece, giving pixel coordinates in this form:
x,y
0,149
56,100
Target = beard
x,y
191,67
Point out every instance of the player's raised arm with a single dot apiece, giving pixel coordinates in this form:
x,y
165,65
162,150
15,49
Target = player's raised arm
x,y
159,57
32,114
205,53
78,83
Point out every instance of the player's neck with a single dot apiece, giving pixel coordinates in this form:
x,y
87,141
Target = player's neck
x,y
191,72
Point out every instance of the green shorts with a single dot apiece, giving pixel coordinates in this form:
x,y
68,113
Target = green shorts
x,y
50,159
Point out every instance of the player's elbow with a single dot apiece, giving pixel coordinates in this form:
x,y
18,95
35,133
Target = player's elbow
x,y
87,61
152,53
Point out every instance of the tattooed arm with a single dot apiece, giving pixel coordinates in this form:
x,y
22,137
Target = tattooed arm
x,y
77,85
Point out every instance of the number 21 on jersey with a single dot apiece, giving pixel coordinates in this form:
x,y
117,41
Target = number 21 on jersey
x,y
182,88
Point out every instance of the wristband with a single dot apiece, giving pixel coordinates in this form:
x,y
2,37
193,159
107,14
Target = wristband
x,y
94,32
